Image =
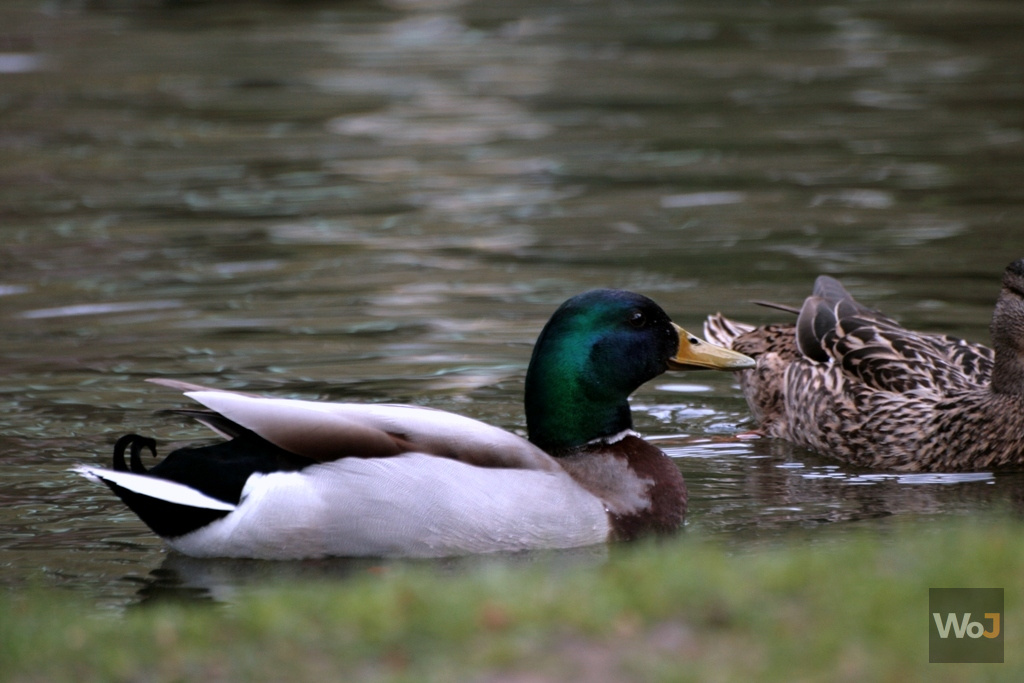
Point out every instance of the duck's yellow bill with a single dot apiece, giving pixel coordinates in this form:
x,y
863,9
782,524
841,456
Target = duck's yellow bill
x,y
696,354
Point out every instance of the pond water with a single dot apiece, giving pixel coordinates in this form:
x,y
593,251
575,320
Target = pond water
x,y
384,201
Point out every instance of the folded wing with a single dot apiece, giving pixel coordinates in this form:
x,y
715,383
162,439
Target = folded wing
x,y
329,431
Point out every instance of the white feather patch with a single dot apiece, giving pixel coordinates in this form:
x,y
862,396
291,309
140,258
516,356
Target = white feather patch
x,y
154,487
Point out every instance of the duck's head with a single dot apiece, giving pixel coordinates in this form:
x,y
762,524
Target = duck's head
x,y
595,351
1007,331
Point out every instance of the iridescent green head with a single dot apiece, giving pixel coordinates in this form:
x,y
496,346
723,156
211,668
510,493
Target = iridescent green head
x,y
596,350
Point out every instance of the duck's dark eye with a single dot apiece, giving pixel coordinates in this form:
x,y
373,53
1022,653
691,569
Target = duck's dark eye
x,y
637,319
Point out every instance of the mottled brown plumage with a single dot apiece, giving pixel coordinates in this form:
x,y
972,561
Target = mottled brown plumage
x,y
851,383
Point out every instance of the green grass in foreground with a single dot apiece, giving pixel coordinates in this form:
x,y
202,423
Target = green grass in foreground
x,y
850,609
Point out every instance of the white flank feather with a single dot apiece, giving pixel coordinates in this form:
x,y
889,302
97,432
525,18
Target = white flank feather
x,y
413,505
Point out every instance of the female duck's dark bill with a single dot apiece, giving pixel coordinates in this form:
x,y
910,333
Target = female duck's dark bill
x,y
696,354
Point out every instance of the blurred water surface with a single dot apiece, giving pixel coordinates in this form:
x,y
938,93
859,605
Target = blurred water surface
x,y
386,200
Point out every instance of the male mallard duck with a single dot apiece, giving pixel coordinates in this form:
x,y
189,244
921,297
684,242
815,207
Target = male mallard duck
x,y
851,383
303,479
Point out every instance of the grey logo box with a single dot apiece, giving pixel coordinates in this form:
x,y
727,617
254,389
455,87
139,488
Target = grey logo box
x,y
965,625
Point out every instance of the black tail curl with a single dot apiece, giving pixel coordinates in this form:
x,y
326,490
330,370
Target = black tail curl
x,y
219,470
137,443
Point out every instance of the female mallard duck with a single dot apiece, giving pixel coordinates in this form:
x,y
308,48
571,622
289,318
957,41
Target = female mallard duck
x,y
853,384
302,479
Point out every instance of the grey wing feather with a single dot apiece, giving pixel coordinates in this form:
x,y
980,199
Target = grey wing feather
x,y
328,431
